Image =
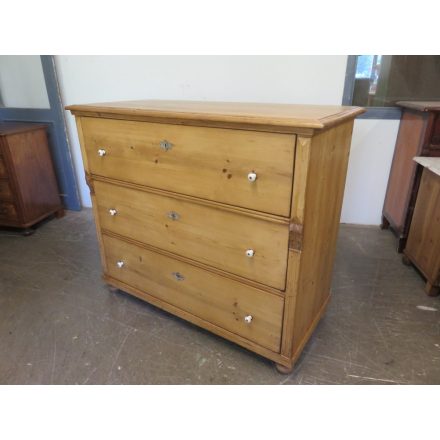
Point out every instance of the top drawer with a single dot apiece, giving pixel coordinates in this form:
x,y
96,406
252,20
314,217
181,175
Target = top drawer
x,y
210,163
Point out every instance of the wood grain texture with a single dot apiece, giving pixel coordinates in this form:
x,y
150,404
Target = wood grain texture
x,y
278,115
195,263
419,135
423,245
220,331
422,106
215,237
5,191
31,184
7,128
8,213
197,200
216,299
203,162
434,143
194,266
302,160
409,143
3,171
327,169
32,164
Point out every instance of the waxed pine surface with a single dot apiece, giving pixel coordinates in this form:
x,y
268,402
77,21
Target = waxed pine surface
x,y
60,325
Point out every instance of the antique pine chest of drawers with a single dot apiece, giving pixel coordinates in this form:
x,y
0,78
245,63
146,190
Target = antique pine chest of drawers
x,y
224,214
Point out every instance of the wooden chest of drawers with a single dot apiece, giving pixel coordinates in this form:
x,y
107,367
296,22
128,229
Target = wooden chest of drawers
x,y
225,214
28,187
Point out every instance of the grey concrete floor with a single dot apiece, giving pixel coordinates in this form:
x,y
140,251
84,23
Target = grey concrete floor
x,y
60,325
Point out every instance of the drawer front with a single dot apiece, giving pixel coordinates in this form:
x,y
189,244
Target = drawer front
x,y
8,211
5,190
246,246
210,163
216,299
3,172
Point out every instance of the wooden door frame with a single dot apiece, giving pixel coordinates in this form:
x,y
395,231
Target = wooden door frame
x,y
57,133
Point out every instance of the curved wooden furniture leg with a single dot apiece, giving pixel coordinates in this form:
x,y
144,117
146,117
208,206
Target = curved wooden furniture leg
x,y
283,369
406,261
401,243
431,290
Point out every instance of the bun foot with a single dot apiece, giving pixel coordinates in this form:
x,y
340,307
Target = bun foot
x,y
431,290
283,369
112,289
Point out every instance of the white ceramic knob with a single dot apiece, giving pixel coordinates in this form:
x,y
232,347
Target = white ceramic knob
x,y
250,253
112,211
120,264
252,177
248,319
101,152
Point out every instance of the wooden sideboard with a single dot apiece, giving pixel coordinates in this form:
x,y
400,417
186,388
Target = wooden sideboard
x,y
419,135
28,187
423,244
224,214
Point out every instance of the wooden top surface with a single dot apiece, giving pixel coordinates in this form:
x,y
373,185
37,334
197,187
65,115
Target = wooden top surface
x,y
423,106
283,115
18,127
432,163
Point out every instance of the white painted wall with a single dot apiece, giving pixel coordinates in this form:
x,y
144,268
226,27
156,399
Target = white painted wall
x,y
279,79
371,153
22,82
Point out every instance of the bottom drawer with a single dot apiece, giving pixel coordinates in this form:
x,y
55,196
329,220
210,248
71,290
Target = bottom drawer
x,y
249,312
8,211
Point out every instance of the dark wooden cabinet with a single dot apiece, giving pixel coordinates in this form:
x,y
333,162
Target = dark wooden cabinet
x,y
28,187
423,245
419,135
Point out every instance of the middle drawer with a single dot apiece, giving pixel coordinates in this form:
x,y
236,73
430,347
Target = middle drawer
x,y
247,246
